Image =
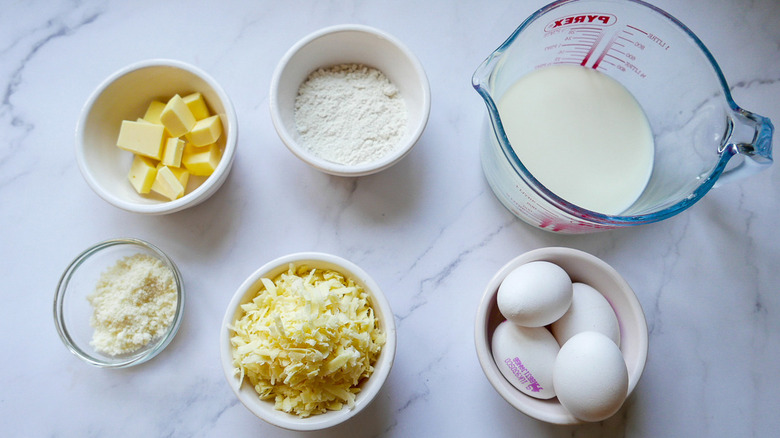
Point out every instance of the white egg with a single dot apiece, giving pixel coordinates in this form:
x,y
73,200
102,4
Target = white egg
x,y
525,356
535,294
589,311
590,377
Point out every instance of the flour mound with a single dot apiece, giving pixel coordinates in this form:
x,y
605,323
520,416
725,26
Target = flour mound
x,y
350,114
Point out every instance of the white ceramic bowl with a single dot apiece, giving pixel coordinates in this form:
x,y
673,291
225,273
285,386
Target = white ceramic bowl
x,y
125,95
369,389
72,310
349,44
581,267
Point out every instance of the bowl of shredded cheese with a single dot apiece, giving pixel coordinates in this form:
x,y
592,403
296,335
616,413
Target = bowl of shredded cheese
x,y
307,341
349,100
119,303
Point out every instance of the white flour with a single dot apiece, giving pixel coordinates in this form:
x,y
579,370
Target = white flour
x,y
350,114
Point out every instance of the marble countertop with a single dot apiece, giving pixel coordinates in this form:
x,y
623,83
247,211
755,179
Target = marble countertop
x,y
429,229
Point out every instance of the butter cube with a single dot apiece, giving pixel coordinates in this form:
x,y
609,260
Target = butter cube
x,y
174,148
177,117
201,161
142,174
153,112
183,175
205,131
141,138
197,105
167,184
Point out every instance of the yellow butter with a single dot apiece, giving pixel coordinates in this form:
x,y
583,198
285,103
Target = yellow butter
x,y
197,105
174,147
142,174
153,112
141,138
183,175
307,340
177,117
167,184
205,131
201,161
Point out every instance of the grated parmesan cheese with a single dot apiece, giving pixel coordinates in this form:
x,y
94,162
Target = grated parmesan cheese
x,y
134,303
307,340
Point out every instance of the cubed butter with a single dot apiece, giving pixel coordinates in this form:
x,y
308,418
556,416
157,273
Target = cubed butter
x,y
174,147
141,138
142,174
153,112
197,105
183,175
167,184
201,160
205,131
177,117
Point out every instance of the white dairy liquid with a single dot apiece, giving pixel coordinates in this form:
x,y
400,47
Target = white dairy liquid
x,y
581,134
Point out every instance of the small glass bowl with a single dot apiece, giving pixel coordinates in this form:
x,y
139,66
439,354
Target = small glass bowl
x,y
72,311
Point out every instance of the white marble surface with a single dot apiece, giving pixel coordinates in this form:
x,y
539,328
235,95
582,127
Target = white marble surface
x,y
429,229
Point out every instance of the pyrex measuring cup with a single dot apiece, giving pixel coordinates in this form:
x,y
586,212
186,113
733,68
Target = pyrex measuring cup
x,y
701,136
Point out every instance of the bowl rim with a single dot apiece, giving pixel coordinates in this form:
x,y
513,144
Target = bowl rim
x,y
329,166
62,286
204,189
482,319
382,367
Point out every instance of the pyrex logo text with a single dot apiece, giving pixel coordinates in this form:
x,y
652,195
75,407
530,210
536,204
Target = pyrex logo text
x,y
596,18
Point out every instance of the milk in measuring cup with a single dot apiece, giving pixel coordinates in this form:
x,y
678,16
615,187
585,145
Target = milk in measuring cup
x,y
581,134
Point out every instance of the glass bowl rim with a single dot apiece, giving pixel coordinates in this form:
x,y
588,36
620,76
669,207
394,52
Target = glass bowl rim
x,y
158,344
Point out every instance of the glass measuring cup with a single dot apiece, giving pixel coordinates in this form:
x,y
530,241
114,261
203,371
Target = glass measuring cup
x,y
702,138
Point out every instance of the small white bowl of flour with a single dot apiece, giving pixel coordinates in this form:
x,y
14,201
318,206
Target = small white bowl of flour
x,y
349,100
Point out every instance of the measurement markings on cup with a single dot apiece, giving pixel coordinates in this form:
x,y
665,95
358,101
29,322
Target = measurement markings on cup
x,y
589,40
596,40
619,52
578,45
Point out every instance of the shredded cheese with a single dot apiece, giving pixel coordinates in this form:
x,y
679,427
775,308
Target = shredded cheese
x,y
307,340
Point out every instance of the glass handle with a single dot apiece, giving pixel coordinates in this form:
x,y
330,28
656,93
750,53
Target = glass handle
x,y
751,139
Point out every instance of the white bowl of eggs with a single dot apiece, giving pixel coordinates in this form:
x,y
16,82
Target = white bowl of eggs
x,y
561,336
